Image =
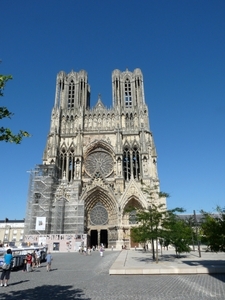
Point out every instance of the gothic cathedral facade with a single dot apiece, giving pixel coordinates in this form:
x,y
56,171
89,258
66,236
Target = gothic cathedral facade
x,y
95,163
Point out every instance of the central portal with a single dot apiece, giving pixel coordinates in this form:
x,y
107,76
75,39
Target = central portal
x,y
99,237
104,238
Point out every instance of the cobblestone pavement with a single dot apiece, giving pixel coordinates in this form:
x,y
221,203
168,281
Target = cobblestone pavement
x,y
75,276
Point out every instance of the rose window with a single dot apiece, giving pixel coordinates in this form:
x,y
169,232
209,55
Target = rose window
x,y
99,215
99,161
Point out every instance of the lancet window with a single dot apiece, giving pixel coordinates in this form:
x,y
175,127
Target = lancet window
x,y
71,165
131,163
71,94
133,217
127,89
62,162
67,164
129,120
126,163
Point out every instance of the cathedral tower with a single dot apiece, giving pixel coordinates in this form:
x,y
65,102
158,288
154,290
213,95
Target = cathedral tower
x,y
95,162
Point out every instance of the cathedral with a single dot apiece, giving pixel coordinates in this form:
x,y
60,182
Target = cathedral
x,y
95,164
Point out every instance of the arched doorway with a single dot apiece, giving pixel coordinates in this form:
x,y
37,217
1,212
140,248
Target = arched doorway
x,y
99,237
129,221
94,238
101,218
104,238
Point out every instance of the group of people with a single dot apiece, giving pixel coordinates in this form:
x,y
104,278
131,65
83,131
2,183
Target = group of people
x,y
31,261
84,250
87,251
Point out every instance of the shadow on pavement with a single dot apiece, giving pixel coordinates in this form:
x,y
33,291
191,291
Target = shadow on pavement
x,y
220,277
44,292
204,263
19,282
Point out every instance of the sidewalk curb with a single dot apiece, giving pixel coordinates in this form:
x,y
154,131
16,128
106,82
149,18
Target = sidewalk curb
x,y
131,262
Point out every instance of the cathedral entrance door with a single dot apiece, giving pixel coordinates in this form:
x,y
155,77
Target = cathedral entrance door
x,y
104,237
94,238
132,243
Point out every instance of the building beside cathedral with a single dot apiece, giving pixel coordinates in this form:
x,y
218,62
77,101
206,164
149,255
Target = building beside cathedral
x,y
95,163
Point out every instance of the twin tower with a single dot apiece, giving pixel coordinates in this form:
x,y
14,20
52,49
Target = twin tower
x,y
95,163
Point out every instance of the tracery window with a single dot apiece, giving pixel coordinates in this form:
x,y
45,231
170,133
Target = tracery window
x,y
100,161
62,164
127,90
71,165
131,163
132,217
67,163
136,159
126,163
99,215
71,94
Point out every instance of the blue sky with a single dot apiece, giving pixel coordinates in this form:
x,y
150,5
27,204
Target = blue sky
x,y
178,45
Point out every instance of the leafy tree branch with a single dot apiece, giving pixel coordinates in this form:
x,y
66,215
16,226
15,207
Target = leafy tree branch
x,y
6,134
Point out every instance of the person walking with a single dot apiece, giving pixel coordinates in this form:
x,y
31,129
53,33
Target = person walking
x,y
29,262
24,265
33,260
49,261
8,259
38,258
101,251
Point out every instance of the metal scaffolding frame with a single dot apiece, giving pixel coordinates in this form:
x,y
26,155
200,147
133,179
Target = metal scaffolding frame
x,y
57,201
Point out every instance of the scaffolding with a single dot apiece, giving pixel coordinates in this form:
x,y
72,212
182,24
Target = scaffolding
x,y
54,201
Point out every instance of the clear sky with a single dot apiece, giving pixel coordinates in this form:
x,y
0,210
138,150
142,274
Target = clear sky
x,y
180,47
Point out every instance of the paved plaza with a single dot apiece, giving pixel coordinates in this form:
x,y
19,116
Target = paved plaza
x,y
75,276
138,262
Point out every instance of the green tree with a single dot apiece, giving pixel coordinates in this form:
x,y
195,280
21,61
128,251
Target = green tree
x,y
159,224
213,229
149,228
156,213
178,233
190,221
5,133
156,223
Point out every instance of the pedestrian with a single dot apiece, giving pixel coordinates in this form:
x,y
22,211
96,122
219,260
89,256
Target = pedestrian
x,y
33,260
49,261
24,265
38,258
29,262
101,251
8,260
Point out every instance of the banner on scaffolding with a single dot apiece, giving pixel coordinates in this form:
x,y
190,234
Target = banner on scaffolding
x,y
40,223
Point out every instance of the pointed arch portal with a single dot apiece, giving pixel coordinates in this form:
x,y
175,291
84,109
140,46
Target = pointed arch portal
x,y
101,217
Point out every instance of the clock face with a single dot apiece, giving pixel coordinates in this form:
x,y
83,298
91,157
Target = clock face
x,y
99,162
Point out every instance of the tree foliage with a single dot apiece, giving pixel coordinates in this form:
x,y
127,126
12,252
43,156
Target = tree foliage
x,y
213,229
178,233
5,133
156,223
